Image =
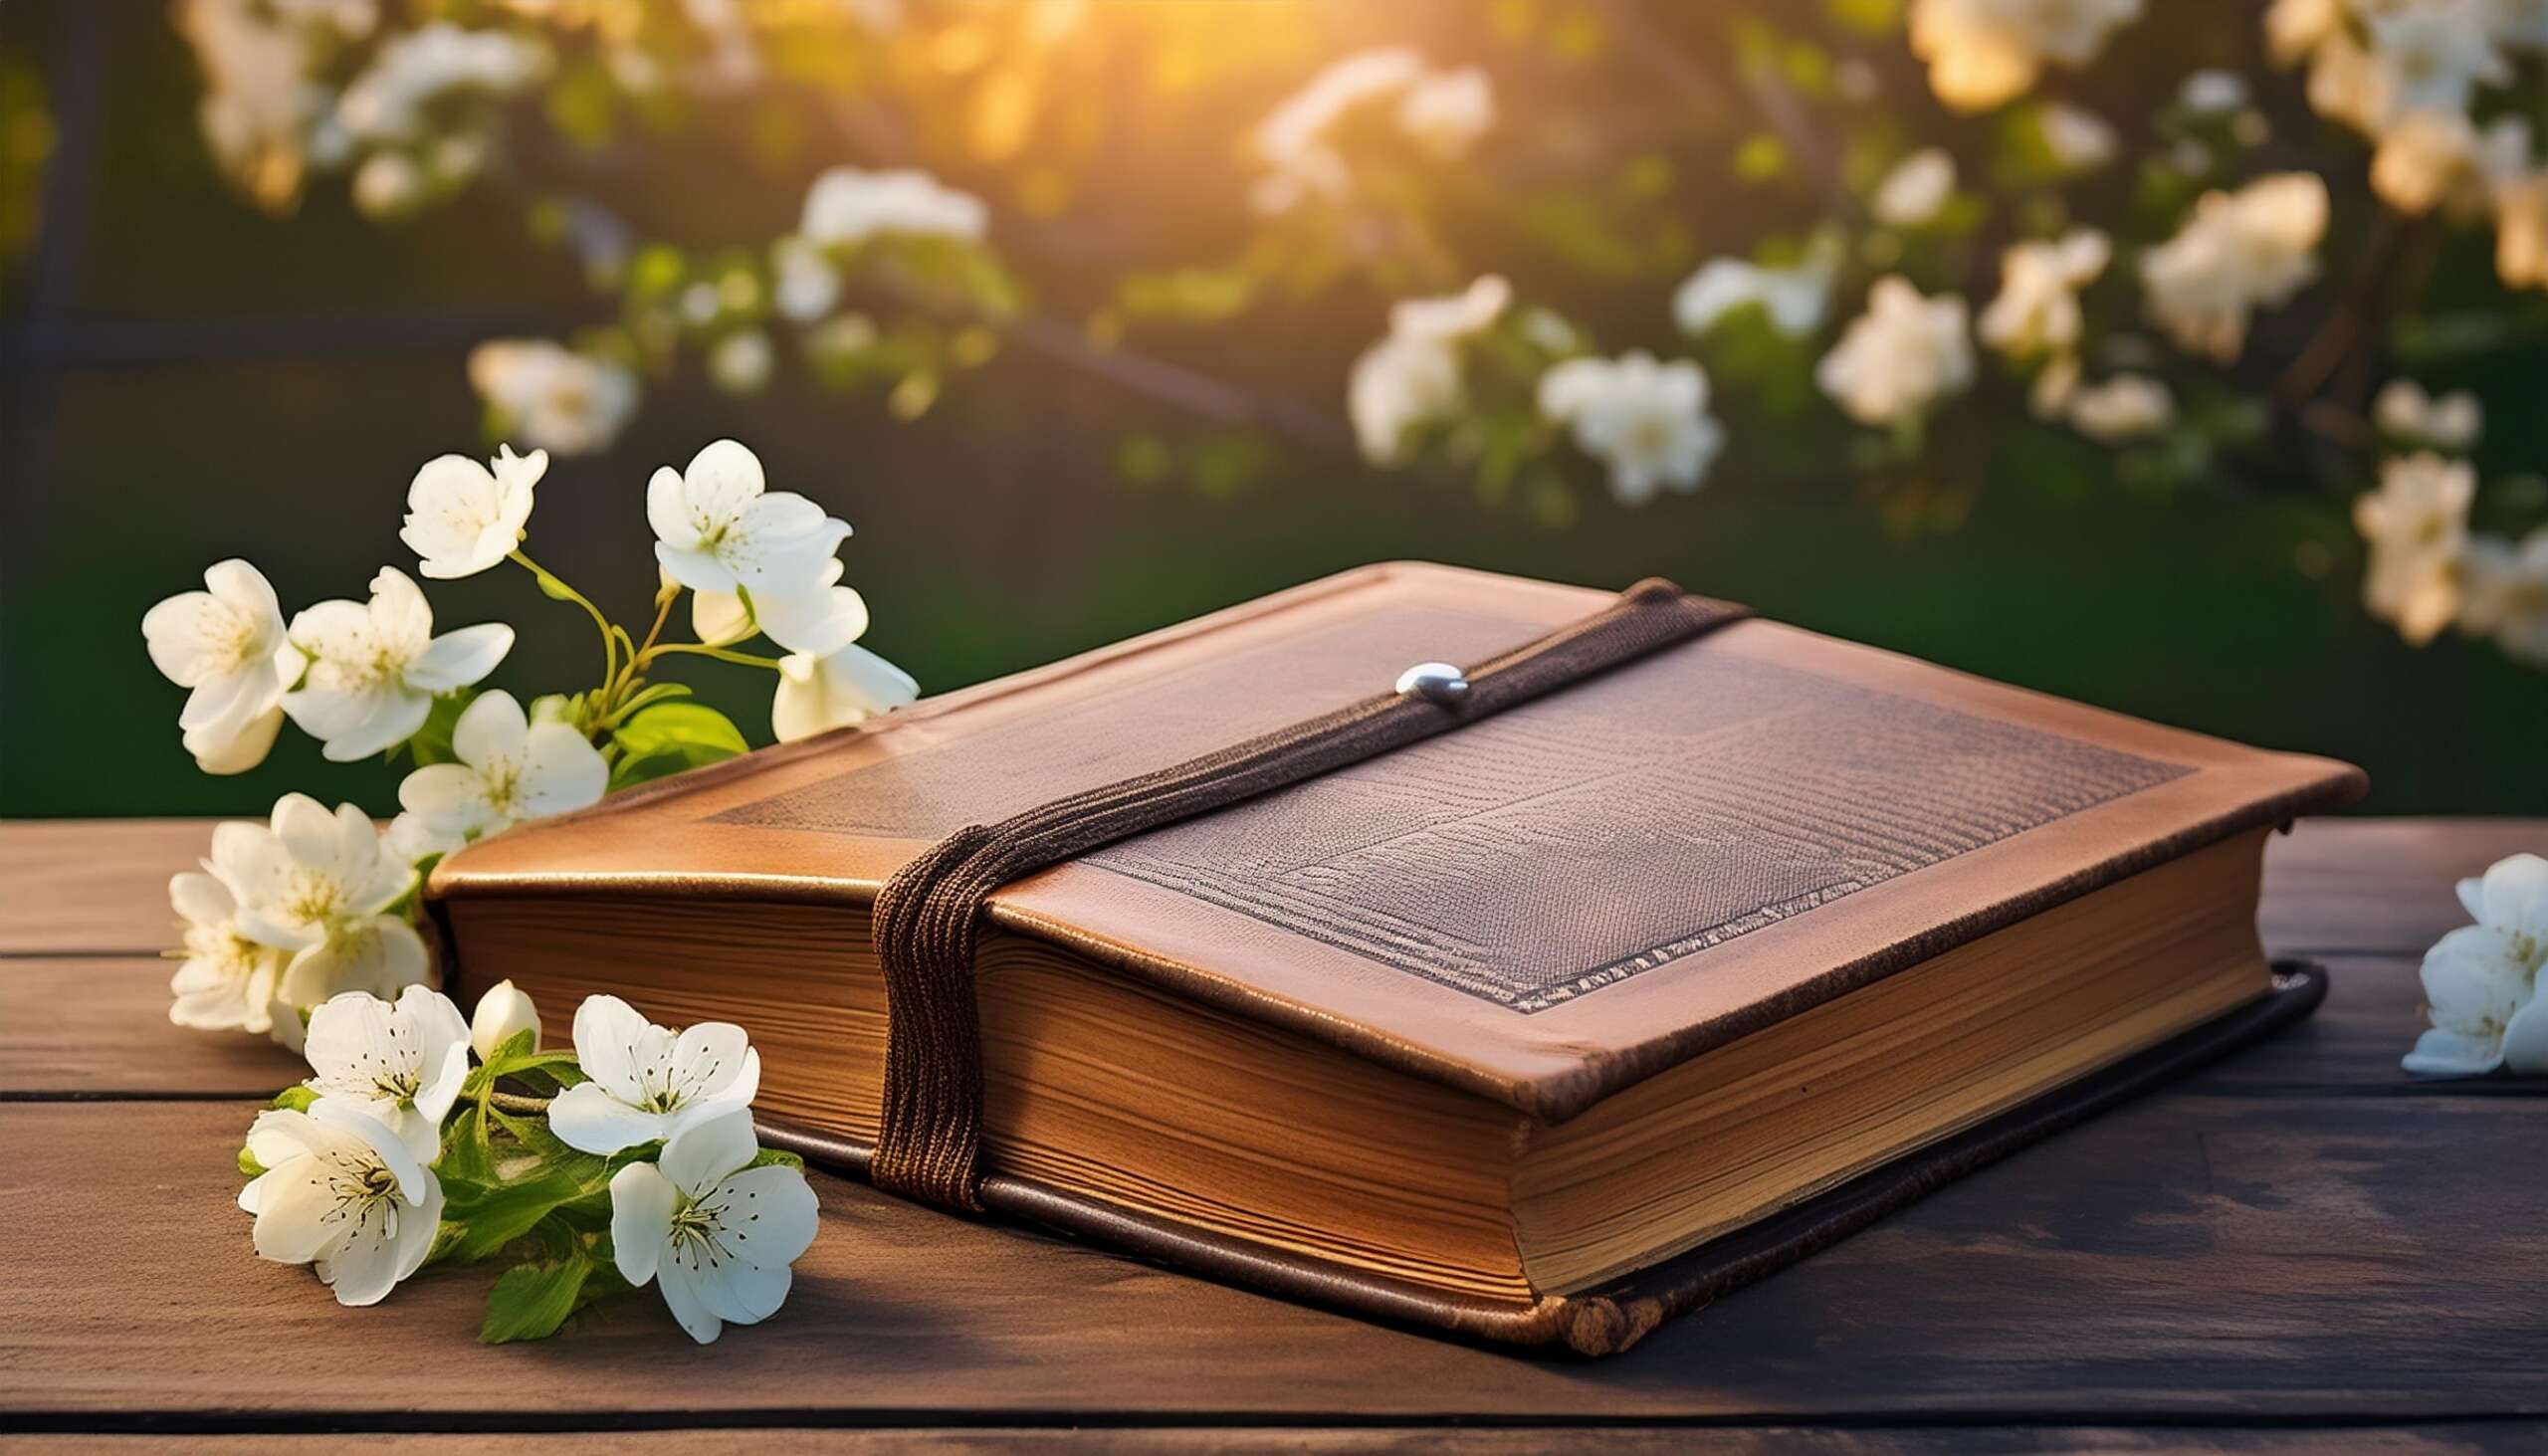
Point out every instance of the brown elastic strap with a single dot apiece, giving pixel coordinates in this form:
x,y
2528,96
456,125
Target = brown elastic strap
x,y
930,1144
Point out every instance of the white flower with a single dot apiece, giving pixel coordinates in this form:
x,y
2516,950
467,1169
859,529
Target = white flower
x,y
2037,308
412,70
318,886
408,840
342,1194
2125,407
2521,231
1448,111
2433,55
1985,52
388,185
820,620
648,1084
1913,192
551,397
503,1014
2415,524
255,111
228,644
2214,91
2429,159
400,1065
509,769
375,667
1899,357
718,1233
740,362
719,527
227,981
2481,980
2295,28
2346,84
2078,139
2447,422
818,694
2239,251
2504,593
850,205
1647,421
1793,298
806,287
463,516
1293,139
1413,375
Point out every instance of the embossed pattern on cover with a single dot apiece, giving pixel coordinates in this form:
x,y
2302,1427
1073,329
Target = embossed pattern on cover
x,y
1541,854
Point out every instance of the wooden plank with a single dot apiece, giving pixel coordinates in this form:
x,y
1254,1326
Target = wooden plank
x,y
70,887
98,1027
2428,1439
2200,1258
85,886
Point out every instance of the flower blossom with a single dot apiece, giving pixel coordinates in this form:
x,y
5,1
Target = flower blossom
x,y
341,1193
2449,422
1443,111
646,1083
1981,53
714,1231
463,516
2125,407
2078,139
2415,524
390,100
2239,251
375,667
2482,981
820,618
1647,421
818,694
1916,190
502,1014
1793,298
1413,375
228,644
719,527
401,1064
2505,594
227,981
508,769
2037,307
2432,160
1900,358
551,397
319,885
848,205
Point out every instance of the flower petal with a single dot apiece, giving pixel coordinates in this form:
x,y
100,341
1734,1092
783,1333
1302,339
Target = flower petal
x,y
491,729
2515,891
2525,1044
294,1205
746,1292
2441,1053
668,511
821,622
561,770
641,1200
608,1034
457,658
362,1267
226,751
201,898
688,1302
353,1046
447,798
387,1148
723,481
700,1156
589,1119
693,567
777,1207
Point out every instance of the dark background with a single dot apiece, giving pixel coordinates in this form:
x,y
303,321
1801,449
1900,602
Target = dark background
x,y
187,380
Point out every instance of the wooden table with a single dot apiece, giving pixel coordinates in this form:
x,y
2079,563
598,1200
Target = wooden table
x,y
2297,1250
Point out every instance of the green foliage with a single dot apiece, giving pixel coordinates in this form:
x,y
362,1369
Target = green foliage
x,y
672,738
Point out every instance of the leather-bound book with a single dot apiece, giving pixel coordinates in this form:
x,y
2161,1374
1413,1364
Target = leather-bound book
x,y
1550,1025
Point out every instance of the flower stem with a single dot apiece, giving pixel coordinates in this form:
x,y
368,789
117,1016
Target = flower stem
x,y
515,1102
702,649
609,634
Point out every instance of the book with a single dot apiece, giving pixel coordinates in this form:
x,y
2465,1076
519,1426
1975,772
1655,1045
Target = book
x,y
1540,1029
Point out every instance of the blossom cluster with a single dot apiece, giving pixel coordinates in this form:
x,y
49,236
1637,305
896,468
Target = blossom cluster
x,y
2482,987
285,914
2428,570
639,1165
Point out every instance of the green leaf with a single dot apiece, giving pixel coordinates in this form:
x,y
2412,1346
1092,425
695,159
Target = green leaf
x,y
529,1301
673,737
506,1211
776,1157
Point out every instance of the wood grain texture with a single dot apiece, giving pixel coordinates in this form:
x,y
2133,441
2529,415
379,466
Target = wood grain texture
x,y
2432,1439
2186,1257
97,1026
79,887
2301,1237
